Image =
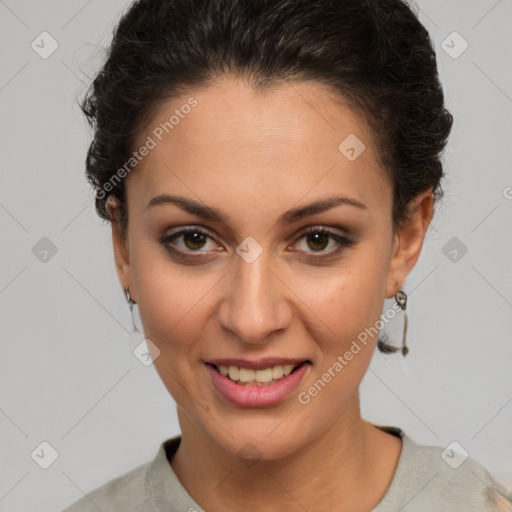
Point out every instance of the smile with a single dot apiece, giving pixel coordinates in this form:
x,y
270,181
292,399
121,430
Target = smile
x,y
250,377
247,387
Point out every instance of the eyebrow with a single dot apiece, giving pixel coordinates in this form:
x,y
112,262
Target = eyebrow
x,y
292,215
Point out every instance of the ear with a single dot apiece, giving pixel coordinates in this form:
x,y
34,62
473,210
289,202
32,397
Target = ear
x,y
408,241
120,246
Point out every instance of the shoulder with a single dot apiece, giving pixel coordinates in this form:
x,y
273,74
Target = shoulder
x,y
432,478
126,492
450,476
139,489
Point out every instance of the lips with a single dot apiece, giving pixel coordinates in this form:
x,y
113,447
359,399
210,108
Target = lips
x,y
259,364
266,395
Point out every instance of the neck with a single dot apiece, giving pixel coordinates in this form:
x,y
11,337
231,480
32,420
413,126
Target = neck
x,y
335,466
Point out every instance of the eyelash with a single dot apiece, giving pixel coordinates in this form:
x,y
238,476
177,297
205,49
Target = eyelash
x,y
342,242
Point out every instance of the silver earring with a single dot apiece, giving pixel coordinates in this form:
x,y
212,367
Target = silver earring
x,y
131,302
401,300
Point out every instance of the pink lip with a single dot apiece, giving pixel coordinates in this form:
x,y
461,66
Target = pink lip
x,y
255,365
257,396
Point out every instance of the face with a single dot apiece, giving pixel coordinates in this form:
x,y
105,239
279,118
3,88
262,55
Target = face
x,y
232,272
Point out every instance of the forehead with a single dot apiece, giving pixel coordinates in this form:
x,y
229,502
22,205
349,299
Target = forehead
x,y
281,143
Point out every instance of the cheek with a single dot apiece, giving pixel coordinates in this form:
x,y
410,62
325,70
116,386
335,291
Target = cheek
x,y
172,311
350,304
169,300
348,300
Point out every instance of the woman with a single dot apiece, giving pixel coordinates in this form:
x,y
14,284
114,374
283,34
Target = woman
x,y
270,170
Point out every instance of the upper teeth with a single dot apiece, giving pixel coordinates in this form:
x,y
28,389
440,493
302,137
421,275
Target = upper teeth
x,y
249,375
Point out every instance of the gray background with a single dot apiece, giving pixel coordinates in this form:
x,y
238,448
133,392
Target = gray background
x,y
68,375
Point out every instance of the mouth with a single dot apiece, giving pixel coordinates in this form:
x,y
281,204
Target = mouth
x,y
268,376
268,385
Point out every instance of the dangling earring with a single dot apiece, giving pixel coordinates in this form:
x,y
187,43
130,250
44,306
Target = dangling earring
x,y
131,302
401,300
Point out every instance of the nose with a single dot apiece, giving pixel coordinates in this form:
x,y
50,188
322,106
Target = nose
x,y
256,302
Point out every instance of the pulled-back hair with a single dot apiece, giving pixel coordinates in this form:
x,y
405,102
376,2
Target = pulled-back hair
x,y
374,53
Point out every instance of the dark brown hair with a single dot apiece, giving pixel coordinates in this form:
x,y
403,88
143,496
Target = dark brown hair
x,y
374,53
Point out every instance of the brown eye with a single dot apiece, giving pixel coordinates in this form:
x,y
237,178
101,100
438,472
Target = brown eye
x,y
194,239
188,241
319,240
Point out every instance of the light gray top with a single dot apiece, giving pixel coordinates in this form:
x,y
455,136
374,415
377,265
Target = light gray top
x,y
423,482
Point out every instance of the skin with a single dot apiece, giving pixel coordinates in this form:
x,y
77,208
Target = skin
x,y
254,155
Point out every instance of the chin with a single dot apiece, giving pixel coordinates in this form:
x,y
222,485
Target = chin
x,y
263,443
